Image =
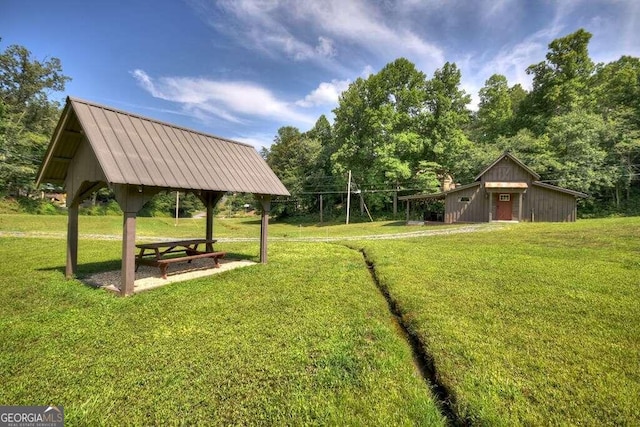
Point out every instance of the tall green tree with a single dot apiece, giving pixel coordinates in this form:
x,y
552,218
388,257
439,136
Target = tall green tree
x,y
294,158
445,127
377,127
495,111
561,82
27,115
617,90
577,139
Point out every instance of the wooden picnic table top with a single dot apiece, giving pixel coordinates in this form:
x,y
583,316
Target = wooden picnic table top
x,y
173,244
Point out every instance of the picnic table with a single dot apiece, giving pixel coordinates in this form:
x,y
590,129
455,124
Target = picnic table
x,y
161,254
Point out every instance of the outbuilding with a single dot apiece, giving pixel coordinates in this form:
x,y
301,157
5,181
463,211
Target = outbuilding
x,y
506,190
95,146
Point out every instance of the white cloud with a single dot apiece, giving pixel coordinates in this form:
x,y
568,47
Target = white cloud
x,y
288,27
327,93
513,61
325,47
231,101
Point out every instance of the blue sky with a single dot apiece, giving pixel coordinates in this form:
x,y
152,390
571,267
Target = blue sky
x,y
242,69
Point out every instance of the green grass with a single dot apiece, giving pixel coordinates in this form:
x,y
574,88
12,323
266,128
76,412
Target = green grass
x,y
306,339
530,324
535,324
191,227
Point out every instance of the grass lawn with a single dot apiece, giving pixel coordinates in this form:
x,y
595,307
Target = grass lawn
x,y
535,324
306,339
530,324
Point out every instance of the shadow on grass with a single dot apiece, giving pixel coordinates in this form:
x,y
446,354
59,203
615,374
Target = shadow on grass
x,y
395,224
86,269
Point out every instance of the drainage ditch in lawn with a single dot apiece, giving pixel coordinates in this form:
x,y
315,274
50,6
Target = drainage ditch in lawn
x,y
423,361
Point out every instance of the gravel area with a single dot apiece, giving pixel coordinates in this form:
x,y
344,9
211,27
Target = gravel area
x,y
149,277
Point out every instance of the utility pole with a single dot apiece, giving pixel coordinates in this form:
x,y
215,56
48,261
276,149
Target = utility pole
x,y
348,196
395,199
321,209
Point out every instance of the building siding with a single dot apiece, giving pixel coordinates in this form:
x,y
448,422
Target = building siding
x,y
506,170
545,205
473,211
540,202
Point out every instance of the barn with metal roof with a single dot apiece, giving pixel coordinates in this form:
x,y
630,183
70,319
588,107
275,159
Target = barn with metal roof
x,y
506,190
95,146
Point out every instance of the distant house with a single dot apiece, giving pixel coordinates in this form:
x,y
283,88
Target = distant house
x,y
507,190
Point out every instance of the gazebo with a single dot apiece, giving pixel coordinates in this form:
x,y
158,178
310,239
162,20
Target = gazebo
x,y
94,146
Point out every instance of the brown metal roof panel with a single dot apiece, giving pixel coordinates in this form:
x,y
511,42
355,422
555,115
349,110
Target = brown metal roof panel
x,y
177,156
222,163
147,150
252,177
98,142
245,179
136,150
207,145
125,150
146,168
266,175
201,160
157,149
176,174
263,173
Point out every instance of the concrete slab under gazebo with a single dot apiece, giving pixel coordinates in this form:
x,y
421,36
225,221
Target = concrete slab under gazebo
x,y
94,146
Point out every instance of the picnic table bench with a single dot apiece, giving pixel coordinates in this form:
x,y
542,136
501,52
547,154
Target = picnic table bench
x,y
161,254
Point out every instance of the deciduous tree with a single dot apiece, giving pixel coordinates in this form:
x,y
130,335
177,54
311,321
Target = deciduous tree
x,y
27,115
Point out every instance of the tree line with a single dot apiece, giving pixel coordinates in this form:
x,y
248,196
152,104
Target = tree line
x,y
398,130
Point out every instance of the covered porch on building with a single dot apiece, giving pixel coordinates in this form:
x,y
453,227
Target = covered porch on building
x,y
432,207
505,200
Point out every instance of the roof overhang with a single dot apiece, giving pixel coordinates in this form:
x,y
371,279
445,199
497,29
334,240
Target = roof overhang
x,y
439,196
506,186
433,196
134,150
560,189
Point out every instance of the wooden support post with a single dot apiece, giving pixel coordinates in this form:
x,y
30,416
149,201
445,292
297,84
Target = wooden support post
x,y
209,232
408,204
72,240
131,198
348,197
490,207
520,207
128,253
265,202
210,200
395,200
321,209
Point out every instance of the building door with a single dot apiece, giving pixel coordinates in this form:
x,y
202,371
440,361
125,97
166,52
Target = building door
x,y
504,207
